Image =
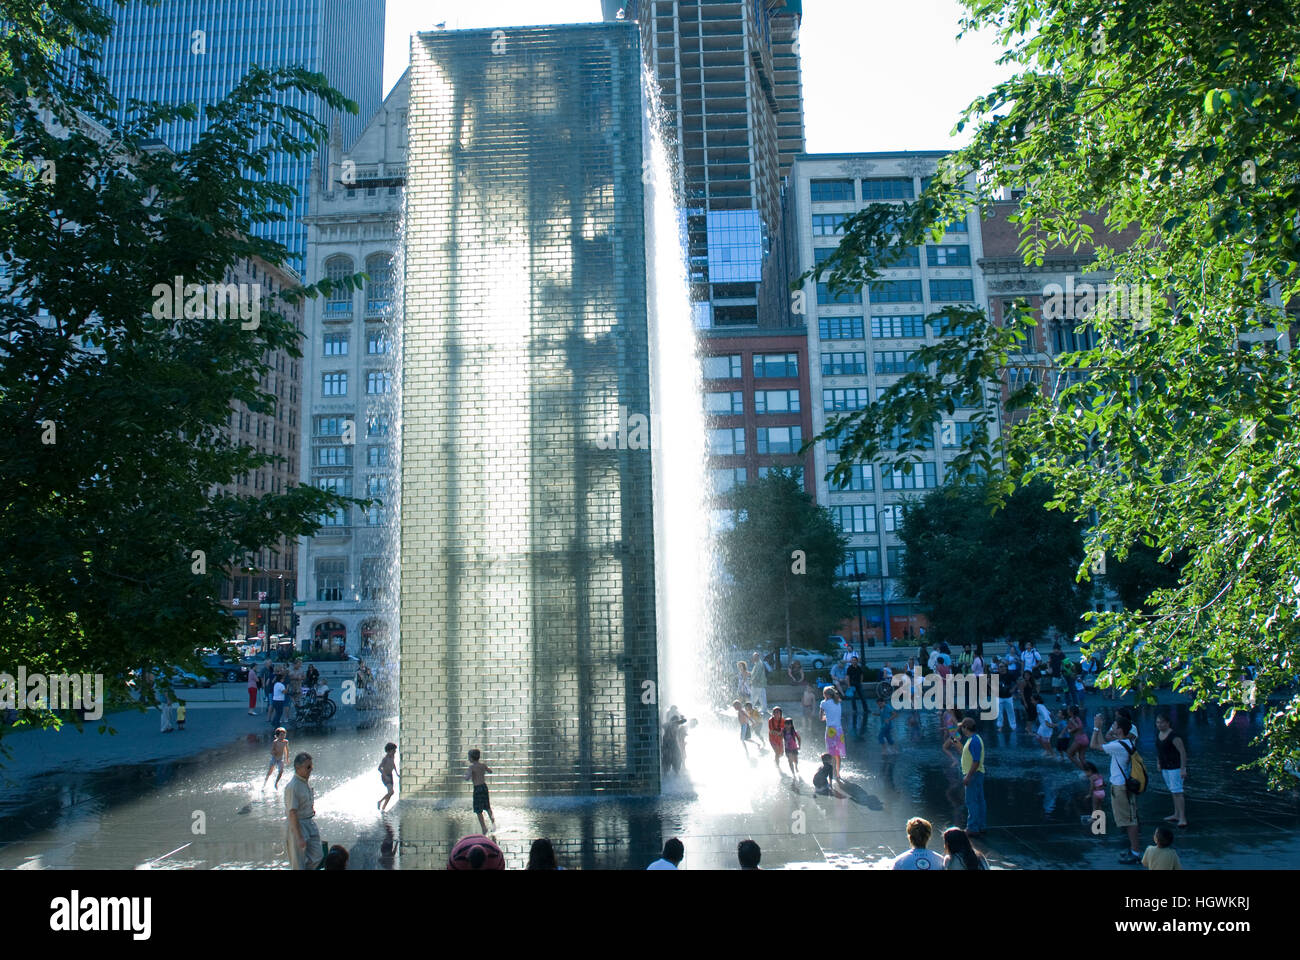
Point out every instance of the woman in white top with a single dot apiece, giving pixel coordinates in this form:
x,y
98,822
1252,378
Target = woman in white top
x,y
832,713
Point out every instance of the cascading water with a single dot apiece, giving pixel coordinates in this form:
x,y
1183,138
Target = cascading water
x,y
691,670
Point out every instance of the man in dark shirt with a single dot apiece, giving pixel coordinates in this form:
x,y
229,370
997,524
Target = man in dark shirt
x,y
855,684
1054,661
1006,698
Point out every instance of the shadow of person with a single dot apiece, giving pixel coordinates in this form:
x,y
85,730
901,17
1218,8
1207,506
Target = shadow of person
x,y
860,796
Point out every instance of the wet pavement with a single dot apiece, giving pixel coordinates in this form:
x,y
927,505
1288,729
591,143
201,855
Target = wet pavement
x,y
209,809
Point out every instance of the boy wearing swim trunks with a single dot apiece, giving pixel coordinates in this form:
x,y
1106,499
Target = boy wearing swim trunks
x,y
477,775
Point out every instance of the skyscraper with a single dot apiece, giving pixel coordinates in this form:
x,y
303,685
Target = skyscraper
x,y
528,580
728,75
184,51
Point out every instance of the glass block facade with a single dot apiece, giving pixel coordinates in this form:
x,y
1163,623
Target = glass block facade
x,y
528,581
197,50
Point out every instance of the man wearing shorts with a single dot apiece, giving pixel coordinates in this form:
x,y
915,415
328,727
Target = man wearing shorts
x,y
1119,744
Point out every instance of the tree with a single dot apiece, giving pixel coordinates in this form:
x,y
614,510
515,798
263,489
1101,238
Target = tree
x,y
115,450
969,565
780,558
1142,573
1179,119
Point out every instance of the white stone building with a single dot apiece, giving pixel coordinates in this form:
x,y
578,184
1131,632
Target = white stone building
x,y
350,372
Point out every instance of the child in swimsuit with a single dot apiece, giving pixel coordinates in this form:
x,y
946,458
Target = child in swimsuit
x,y
279,753
743,717
951,740
1096,785
388,770
791,738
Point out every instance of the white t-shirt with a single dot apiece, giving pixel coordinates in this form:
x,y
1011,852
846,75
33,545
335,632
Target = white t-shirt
x,y
278,692
977,666
916,859
1119,760
1032,658
662,864
833,713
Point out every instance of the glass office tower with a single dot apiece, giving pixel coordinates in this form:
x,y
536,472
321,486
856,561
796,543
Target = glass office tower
x,y
528,624
195,51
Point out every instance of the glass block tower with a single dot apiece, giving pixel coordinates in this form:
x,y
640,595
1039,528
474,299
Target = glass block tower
x,y
195,51
527,578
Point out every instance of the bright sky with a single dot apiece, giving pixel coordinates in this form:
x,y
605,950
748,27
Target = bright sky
x,y
877,74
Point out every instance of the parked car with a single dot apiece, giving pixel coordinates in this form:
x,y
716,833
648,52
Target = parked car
x,y
225,668
810,659
182,678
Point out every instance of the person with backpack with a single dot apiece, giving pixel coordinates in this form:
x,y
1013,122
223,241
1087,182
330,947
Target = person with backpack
x,y
1128,777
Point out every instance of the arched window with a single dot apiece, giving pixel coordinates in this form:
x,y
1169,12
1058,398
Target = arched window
x,y
379,288
339,301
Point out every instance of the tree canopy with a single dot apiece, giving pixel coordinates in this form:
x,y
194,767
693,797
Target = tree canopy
x,y
781,556
116,448
1180,121
984,574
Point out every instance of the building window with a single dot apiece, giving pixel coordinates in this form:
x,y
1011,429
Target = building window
x,y
957,226
896,361
840,328
377,342
338,303
855,518
779,439
726,479
896,291
829,224
903,325
891,517
334,384
377,426
722,368
897,258
379,288
376,456
372,578
776,365
338,485
727,441
859,563
374,515
843,364
894,557
968,401
776,401
922,477
826,298
887,188
336,344
852,399
948,291
724,403
830,191
376,485
924,442
860,478
330,426
334,456
956,433
948,256
793,471
329,579
379,381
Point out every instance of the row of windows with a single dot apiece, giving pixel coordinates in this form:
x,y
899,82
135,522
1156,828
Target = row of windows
x,y
378,290
900,291
340,455
331,577
335,383
952,434
726,479
337,426
732,402
730,441
727,366
923,476
862,562
873,188
336,344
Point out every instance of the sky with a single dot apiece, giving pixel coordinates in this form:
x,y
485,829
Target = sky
x,y
877,74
